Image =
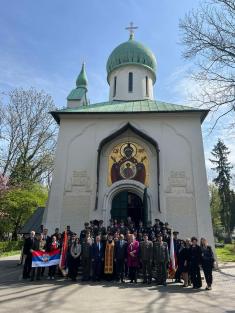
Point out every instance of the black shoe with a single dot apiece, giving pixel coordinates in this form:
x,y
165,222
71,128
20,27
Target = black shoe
x,y
144,282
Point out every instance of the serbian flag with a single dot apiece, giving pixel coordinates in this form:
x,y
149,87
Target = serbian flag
x,y
62,263
44,259
172,267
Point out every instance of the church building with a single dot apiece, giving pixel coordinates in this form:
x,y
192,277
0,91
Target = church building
x,y
131,156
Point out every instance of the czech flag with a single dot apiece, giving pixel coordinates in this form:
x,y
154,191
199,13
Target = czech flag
x,y
172,267
44,259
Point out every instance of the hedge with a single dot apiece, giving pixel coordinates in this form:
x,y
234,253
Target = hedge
x,y
7,246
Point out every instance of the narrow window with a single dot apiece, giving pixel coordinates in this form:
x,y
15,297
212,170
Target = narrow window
x,y
114,86
130,82
147,86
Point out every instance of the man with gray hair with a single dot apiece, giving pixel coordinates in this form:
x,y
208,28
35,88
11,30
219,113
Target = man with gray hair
x,y
29,246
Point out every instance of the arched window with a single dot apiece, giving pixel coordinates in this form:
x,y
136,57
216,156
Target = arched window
x,y
114,86
130,82
147,86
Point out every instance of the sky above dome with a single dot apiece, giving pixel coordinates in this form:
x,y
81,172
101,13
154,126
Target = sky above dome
x,y
43,44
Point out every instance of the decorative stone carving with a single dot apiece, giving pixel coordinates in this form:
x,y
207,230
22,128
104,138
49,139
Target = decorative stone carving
x,y
80,181
178,182
80,178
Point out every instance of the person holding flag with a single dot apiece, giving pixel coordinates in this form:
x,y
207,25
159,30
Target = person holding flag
x,y
172,266
64,251
54,246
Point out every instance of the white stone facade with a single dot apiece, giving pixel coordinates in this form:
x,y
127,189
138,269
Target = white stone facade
x,y
184,200
140,92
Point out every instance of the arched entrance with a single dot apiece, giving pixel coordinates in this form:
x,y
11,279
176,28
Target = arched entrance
x,y
125,204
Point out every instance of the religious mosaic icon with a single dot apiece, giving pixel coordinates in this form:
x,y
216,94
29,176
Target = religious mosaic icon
x,y
128,161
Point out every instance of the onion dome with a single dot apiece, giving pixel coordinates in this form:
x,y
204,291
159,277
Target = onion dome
x,y
82,78
131,52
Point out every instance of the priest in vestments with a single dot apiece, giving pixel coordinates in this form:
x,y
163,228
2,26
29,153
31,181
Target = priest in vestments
x,y
109,258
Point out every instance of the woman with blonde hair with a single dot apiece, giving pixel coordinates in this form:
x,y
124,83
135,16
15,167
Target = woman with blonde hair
x,y
207,257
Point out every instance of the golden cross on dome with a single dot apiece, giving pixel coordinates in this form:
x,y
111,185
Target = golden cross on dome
x,y
131,29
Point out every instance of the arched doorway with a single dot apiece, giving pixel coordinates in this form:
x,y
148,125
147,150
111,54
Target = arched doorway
x,y
125,204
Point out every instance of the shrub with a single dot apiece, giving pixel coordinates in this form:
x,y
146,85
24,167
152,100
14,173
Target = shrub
x,y
7,246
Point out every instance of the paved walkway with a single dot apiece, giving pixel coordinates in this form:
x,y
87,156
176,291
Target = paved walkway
x,y
63,296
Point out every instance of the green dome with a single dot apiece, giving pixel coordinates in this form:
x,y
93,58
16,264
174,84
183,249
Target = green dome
x,y
131,52
82,78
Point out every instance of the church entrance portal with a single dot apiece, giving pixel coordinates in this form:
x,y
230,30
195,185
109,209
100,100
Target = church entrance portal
x,y
126,204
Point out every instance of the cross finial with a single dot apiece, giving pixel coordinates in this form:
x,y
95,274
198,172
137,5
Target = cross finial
x,y
131,29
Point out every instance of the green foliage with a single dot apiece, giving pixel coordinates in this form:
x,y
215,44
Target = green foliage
x,y
223,168
232,208
215,205
10,246
226,254
18,204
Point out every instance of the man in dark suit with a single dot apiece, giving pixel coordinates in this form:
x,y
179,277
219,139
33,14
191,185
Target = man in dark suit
x,y
30,244
97,258
120,256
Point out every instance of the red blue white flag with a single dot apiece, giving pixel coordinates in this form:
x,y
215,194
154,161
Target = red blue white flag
x,y
44,259
172,267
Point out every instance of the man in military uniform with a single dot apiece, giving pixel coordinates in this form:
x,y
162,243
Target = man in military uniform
x,y
161,260
86,257
165,236
156,225
146,258
84,232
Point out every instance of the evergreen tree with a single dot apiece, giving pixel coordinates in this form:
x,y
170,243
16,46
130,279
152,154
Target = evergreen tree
x,y
232,208
223,168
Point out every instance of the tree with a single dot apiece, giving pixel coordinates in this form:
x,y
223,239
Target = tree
x,y
28,136
208,37
232,208
223,168
215,205
18,204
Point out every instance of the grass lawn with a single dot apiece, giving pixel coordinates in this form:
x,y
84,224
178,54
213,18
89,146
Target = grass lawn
x,y
226,254
9,253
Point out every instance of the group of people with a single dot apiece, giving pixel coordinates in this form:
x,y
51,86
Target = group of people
x,y
124,252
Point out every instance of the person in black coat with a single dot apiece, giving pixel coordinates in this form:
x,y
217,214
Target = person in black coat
x,y
207,259
120,257
177,247
97,258
30,244
183,261
194,263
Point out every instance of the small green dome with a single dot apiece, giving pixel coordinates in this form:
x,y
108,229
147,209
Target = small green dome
x,y
131,52
82,78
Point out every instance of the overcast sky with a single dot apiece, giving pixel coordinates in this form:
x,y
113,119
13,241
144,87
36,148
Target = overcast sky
x,y
43,44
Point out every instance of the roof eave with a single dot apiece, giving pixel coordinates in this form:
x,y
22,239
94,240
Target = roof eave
x,y
56,114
